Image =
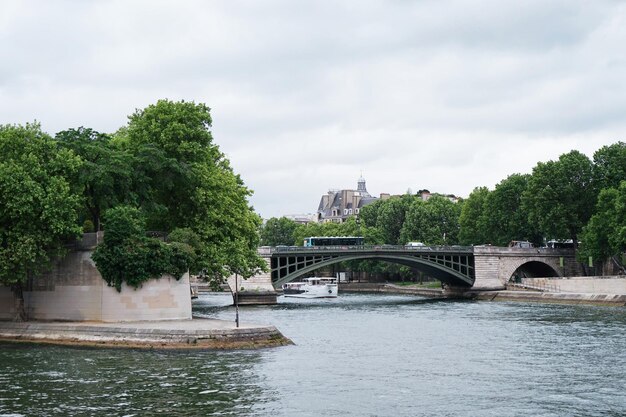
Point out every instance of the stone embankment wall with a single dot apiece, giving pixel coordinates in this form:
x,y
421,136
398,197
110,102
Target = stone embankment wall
x,y
390,289
550,298
255,290
75,291
179,334
590,285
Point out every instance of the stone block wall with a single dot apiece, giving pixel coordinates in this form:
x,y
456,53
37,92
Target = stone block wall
x,y
586,285
75,291
259,283
494,266
487,270
165,298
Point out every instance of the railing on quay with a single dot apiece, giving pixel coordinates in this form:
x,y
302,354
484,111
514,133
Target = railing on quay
x,y
541,286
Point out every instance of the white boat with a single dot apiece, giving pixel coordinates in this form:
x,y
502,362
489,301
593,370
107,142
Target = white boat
x,y
315,287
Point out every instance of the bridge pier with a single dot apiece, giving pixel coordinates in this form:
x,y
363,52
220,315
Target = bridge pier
x,y
494,266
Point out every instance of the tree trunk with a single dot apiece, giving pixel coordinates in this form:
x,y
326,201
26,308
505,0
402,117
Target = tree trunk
x,y
20,308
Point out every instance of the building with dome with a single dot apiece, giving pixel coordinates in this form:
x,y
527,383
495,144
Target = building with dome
x,y
338,205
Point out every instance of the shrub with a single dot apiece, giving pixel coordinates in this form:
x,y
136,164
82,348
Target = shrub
x,y
127,255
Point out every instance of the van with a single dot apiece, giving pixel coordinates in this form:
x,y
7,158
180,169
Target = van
x,y
414,244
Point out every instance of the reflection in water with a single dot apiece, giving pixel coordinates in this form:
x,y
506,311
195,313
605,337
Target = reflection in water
x,y
357,355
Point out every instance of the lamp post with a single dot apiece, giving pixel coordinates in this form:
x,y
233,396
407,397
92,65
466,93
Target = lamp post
x,y
236,302
358,233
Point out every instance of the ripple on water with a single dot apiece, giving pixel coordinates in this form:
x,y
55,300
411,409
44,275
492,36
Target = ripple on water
x,y
358,355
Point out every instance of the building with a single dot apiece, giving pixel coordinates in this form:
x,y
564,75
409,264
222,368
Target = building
x,y
425,196
302,218
338,205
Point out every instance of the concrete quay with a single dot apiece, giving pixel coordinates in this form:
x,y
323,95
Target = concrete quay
x,y
380,287
197,333
618,300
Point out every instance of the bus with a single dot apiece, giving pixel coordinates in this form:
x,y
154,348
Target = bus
x,y
333,241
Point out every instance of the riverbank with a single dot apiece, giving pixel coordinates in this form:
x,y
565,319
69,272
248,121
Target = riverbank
x,y
198,333
618,300
386,288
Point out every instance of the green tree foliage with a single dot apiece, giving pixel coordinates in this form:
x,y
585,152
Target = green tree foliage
x,y
368,219
609,168
278,231
174,141
317,229
38,209
127,255
433,222
560,196
188,241
605,234
106,176
191,184
472,215
390,218
504,219
369,214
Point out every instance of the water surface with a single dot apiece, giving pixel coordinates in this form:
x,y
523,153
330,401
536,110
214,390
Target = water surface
x,y
357,355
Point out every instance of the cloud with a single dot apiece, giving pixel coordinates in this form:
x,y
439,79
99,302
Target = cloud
x,y
307,95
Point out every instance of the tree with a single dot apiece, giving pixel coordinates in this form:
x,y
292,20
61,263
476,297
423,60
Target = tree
x,y
368,218
106,176
504,219
192,185
390,218
191,243
173,138
605,234
128,256
472,213
38,209
434,222
560,196
278,231
369,213
317,229
609,168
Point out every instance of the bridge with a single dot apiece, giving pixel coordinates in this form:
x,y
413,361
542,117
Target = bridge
x,y
452,265
462,267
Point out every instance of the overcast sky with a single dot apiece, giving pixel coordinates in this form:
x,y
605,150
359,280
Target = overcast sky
x,y
307,95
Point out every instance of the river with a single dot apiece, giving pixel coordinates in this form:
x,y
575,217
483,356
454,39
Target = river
x,y
357,355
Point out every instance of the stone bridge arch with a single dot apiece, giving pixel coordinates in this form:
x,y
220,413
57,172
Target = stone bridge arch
x,y
495,266
532,268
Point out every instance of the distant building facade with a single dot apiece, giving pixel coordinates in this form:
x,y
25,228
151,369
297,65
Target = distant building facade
x,y
302,218
338,205
425,196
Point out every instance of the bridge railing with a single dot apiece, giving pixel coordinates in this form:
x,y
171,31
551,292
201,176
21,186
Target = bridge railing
x,y
369,248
